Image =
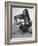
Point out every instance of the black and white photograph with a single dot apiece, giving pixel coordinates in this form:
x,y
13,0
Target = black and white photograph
x,y
21,22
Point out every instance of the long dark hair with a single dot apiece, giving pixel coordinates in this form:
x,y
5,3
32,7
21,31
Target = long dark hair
x,y
27,14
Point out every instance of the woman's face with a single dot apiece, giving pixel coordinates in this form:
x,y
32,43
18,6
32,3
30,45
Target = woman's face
x,y
24,12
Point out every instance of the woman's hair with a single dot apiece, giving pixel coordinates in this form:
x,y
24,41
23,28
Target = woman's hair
x,y
25,10
27,13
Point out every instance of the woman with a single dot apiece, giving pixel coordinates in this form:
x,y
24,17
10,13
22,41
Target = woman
x,y
24,27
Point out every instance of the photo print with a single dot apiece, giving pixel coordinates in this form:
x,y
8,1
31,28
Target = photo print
x,y
21,22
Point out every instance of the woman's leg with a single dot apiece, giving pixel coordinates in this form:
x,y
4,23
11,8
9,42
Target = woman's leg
x,y
23,28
